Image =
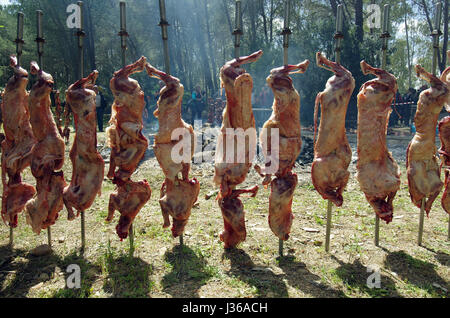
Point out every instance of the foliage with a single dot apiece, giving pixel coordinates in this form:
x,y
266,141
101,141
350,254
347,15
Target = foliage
x,y
200,40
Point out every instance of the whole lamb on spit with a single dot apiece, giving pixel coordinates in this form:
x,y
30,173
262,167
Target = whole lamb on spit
x,y
444,135
17,145
377,172
332,152
178,195
421,161
47,155
285,120
232,163
87,164
128,146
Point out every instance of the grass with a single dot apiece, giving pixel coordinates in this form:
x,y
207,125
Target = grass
x,y
203,268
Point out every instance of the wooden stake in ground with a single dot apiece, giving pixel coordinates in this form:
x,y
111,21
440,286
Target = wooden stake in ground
x,y
81,34
435,34
338,36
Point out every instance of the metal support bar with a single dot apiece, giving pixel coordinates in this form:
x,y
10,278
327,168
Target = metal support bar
x,y
421,218
384,37
328,231
19,44
435,34
338,36
237,32
165,37
286,30
123,39
19,40
81,34
377,230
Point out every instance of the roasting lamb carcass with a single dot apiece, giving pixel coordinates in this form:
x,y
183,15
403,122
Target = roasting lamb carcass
x,y
58,113
129,199
47,155
238,127
421,161
377,172
444,151
128,146
17,145
285,120
88,165
178,195
444,135
332,152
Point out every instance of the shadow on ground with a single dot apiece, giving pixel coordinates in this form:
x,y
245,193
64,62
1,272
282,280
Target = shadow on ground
x,y
420,273
127,276
298,276
356,276
29,271
189,273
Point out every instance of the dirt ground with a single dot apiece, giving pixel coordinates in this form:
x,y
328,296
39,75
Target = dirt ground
x,y
159,268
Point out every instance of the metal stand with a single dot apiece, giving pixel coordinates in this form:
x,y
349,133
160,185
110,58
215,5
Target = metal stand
x,y
19,44
338,36
435,34
285,33
81,34
123,39
83,232
40,51
377,230
165,37
384,36
237,32
328,231
421,218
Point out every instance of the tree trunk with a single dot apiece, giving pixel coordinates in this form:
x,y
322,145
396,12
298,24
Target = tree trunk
x,y
263,14
227,14
445,38
407,45
359,20
90,30
210,44
271,21
202,50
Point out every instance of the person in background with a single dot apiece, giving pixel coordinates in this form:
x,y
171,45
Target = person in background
x,y
396,116
100,105
197,104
